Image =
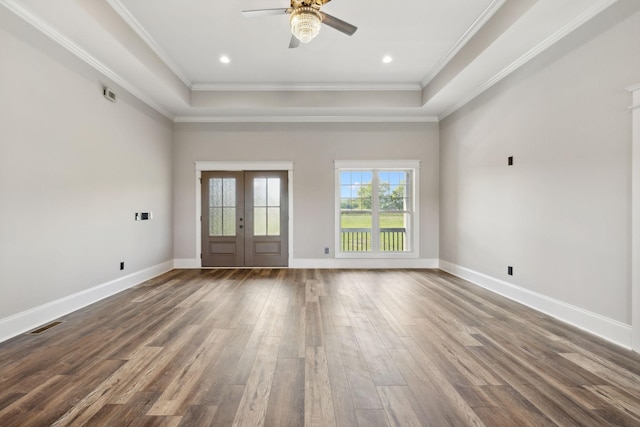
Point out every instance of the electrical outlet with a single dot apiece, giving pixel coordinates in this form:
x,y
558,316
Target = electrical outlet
x,y
122,265
510,160
510,270
326,251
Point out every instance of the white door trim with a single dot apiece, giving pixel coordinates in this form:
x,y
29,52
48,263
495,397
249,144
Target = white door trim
x,y
635,218
240,166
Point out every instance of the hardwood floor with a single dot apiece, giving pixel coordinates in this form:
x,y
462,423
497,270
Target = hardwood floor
x,y
314,348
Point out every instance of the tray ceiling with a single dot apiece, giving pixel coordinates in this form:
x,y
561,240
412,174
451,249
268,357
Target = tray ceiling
x,y
444,53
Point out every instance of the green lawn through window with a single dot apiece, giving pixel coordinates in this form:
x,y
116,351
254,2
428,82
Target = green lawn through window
x,y
359,220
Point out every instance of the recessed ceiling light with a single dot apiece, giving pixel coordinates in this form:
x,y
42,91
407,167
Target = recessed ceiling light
x,y
387,59
225,59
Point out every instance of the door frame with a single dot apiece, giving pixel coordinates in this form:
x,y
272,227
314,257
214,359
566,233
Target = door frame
x,y
635,217
204,166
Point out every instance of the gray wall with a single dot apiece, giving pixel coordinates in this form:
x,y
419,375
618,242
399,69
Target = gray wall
x,y
313,149
74,168
561,215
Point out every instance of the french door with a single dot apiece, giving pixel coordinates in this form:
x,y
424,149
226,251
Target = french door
x,y
245,219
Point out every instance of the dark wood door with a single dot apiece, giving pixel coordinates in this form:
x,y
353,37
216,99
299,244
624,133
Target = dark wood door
x,y
222,219
245,219
267,215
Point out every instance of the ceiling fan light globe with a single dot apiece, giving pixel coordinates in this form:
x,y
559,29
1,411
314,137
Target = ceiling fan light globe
x,y
305,23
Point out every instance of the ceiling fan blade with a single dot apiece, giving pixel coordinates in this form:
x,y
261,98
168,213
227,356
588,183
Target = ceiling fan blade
x,y
265,12
338,24
294,43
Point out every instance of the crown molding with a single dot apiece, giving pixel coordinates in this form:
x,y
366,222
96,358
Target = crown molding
x,y
462,41
306,119
35,21
564,31
293,87
150,41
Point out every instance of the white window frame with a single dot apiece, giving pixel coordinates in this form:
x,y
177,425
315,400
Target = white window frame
x,y
380,165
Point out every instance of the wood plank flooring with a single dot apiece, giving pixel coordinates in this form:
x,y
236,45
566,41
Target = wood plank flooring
x,y
280,347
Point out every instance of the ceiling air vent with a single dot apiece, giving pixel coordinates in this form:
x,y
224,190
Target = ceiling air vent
x,y
109,94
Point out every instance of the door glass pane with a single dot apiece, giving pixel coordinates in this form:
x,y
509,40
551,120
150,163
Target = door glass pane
x,y
222,202
215,221
273,217
229,221
260,192
229,192
215,192
273,192
259,221
266,206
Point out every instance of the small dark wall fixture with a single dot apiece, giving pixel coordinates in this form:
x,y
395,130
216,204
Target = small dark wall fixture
x,y
109,94
143,216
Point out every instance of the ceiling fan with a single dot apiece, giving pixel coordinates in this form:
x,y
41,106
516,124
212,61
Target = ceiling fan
x,y
305,19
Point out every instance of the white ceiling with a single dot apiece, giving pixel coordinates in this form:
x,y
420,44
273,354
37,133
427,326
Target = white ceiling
x,y
195,36
167,52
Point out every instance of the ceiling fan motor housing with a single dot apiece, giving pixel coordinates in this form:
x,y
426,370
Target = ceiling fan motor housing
x,y
316,4
306,19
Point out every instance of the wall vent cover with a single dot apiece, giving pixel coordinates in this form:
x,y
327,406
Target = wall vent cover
x,y
109,94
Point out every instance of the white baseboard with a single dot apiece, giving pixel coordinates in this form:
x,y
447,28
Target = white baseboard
x,y
34,317
609,329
